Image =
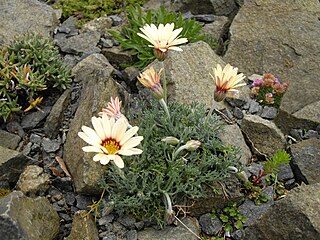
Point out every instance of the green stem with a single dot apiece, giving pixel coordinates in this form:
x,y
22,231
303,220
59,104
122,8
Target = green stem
x,y
164,82
165,107
168,202
209,114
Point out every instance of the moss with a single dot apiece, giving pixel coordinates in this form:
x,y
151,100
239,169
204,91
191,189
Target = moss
x,y
86,10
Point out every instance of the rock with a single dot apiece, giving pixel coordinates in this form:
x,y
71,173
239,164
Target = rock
x,y
34,118
35,138
127,221
80,44
69,27
227,191
206,18
237,112
9,140
311,134
94,73
254,212
117,56
83,228
132,235
294,217
217,7
258,45
33,180
49,145
269,112
38,17
306,160
56,116
15,128
83,202
101,25
264,135
209,225
116,20
285,173
177,233
27,218
232,135
254,107
9,160
187,74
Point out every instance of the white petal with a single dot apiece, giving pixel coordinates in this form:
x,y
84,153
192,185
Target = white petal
x,y
105,159
133,142
98,157
129,152
130,133
91,134
97,125
118,161
106,125
176,49
92,149
87,139
119,129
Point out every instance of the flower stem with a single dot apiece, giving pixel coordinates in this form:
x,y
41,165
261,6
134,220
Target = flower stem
x,y
168,202
165,107
209,114
164,82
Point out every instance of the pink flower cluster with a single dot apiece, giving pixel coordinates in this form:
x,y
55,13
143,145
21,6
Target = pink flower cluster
x,y
268,89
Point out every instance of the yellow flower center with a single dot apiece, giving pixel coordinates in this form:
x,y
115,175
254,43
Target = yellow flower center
x,y
111,145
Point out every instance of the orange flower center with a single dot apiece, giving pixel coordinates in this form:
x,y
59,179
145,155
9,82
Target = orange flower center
x,y
111,145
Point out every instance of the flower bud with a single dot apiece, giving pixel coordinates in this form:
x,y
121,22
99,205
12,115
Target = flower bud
x,y
171,140
192,145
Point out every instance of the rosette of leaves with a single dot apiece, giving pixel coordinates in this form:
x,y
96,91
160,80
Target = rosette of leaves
x,y
41,55
139,189
129,39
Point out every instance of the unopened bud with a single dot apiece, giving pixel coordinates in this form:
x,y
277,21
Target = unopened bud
x,y
192,145
171,140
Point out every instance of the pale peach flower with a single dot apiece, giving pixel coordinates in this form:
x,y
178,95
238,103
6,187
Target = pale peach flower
x,y
162,38
110,138
226,81
151,79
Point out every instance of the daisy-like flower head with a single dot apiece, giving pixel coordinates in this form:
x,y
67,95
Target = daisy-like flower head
x,y
151,79
110,138
113,109
162,38
226,80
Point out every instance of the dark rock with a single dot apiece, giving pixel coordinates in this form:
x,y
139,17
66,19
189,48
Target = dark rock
x,y
9,140
56,116
71,60
127,221
106,43
236,102
237,112
106,219
117,56
27,218
210,226
293,217
80,44
132,235
15,128
311,134
9,160
49,145
116,20
83,202
63,183
110,236
285,172
65,217
70,198
296,134
35,138
269,112
238,234
254,212
306,160
254,107
69,27
83,228
139,225
169,232
207,18
33,119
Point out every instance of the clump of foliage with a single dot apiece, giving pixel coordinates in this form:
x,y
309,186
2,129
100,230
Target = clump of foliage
x,y
129,39
86,10
29,65
163,176
270,168
230,216
268,90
